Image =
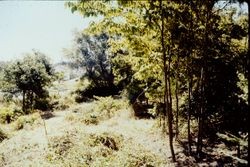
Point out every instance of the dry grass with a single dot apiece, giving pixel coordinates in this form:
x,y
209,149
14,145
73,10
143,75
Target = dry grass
x,y
117,140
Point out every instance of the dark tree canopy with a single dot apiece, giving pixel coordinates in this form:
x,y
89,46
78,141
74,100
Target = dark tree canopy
x,y
29,76
91,52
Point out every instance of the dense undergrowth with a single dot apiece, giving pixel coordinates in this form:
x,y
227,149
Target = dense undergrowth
x,y
102,109
105,149
80,147
101,133
102,148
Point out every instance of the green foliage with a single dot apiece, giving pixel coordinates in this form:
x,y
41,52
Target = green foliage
x,y
232,139
102,149
138,157
92,90
108,140
108,106
193,44
62,103
136,49
27,120
6,115
61,145
102,109
9,114
92,53
59,76
29,76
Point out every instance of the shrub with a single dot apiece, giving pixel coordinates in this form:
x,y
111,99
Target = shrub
x,y
91,91
70,117
43,104
108,107
100,150
60,145
136,155
22,121
83,149
10,113
6,115
111,141
3,135
91,118
102,109
63,103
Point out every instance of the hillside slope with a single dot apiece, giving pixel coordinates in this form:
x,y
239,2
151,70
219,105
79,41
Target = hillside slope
x,y
31,147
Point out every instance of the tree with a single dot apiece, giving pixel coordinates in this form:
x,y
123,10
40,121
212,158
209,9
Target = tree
x,y
191,37
29,76
214,47
91,52
138,38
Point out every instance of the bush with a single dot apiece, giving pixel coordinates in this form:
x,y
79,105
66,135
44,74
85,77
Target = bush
x,y
136,155
3,135
103,108
9,114
63,103
109,106
22,121
61,145
88,117
100,150
6,115
111,141
43,104
91,91
83,149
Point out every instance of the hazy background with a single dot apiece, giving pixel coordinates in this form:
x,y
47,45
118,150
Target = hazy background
x,y
43,25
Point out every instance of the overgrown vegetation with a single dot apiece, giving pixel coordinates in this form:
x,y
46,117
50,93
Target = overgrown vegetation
x,y
179,49
10,113
183,65
27,120
103,149
102,109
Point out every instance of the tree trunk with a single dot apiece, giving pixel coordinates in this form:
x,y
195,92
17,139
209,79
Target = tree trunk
x,y
32,101
177,101
208,7
166,89
189,115
248,68
177,113
24,107
170,121
200,117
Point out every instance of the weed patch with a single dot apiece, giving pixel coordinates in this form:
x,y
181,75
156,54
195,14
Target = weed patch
x,y
3,135
26,120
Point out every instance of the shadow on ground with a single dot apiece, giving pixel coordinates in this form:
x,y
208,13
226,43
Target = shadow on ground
x,y
209,158
47,115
